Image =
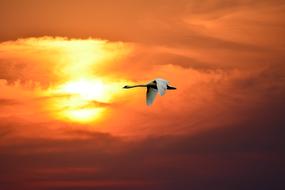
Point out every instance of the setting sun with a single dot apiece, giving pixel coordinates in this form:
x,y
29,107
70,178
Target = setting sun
x,y
86,89
79,104
83,115
77,91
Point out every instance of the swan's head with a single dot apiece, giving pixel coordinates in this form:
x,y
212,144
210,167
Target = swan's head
x,y
126,86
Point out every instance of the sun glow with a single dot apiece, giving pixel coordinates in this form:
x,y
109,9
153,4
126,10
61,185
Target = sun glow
x,y
82,95
67,79
85,115
83,100
86,89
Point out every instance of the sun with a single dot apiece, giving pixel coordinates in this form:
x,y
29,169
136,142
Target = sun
x,y
81,100
80,93
85,100
87,89
83,115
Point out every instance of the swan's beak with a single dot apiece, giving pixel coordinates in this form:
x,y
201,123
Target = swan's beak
x,y
171,88
125,87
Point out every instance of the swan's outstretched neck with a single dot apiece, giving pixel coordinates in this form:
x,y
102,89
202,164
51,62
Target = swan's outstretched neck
x,y
134,86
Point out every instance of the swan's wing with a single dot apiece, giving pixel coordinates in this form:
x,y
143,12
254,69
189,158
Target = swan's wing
x,y
150,95
161,86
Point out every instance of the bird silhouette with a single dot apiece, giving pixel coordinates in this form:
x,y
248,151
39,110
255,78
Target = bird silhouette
x,y
156,85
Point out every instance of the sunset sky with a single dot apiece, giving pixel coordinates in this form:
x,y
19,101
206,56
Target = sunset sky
x,y
66,123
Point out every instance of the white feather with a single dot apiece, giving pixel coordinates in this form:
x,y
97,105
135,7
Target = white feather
x,y
150,95
161,86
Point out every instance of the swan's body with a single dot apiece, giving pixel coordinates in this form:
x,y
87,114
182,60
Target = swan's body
x,y
157,85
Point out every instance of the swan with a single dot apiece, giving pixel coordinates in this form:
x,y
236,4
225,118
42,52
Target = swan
x,y
156,85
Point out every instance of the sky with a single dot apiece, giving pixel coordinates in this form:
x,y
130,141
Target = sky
x,y
66,123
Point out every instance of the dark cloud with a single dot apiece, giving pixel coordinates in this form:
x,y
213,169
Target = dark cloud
x,y
163,58
95,103
11,71
5,131
157,22
7,102
19,66
245,155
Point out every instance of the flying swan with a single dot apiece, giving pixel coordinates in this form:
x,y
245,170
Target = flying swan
x,y
160,85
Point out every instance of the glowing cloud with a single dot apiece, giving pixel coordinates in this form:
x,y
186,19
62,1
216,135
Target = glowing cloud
x,y
66,70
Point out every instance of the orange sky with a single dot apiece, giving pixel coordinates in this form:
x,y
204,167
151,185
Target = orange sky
x,y
62,68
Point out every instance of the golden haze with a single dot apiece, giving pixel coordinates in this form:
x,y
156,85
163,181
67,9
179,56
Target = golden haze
x,y
77,93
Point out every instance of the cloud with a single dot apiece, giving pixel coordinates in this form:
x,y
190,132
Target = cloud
x,y
235,139
5,131
48,60
157,22
248,153
7,102
222,127
10,71
206,90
